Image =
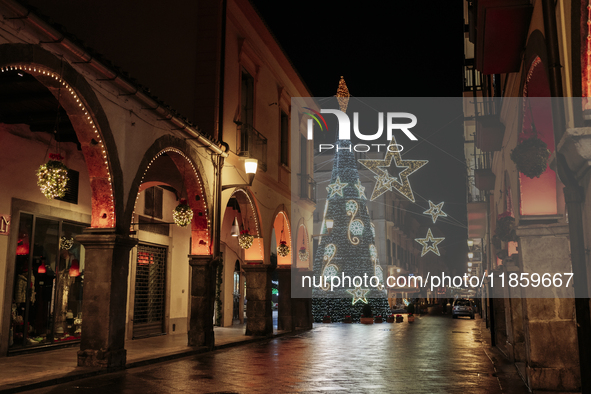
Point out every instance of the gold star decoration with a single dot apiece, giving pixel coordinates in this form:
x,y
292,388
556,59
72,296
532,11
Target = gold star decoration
x,y
360,189
336,188
435,210
385,182
358,294
430,243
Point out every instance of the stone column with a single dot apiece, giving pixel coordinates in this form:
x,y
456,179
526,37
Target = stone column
x,y
202,299
302,307
514,316
548,323
285,318
259,316
106,267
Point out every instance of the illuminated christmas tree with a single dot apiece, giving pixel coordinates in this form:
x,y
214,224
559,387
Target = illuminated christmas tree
x,y
348,250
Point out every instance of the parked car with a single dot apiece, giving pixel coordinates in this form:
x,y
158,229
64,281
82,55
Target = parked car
x,y
463,307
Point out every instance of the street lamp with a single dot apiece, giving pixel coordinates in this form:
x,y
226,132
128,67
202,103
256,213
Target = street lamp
x,y
235,228
250,167
470,255
470,243
329,224
469,264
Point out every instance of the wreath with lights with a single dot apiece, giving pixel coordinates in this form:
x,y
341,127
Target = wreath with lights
x,y
52,177
182,214
245,239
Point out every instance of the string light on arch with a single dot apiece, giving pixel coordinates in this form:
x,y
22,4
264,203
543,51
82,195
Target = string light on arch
x,y
197,177
79,109
254,215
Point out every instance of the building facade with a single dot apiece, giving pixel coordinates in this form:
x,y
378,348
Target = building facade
x,y
106,263
519,57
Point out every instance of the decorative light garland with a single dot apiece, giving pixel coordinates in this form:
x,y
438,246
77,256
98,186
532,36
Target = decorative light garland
x,y
245,239
66,244
197,177
33,69
52,177
283,250
303,254
182,214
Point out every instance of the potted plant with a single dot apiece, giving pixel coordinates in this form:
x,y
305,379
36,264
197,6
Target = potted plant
x,y
326,319
410,308
378,319
399,318
390,319
411,318
348,319
531,157
367,314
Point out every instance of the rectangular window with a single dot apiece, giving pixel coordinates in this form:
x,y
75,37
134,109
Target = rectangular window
x,y
153,202
71,195
48,281
247,99
284,139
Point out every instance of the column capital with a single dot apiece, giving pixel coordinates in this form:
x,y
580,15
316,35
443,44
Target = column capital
x,y
105,239
197,260
257,267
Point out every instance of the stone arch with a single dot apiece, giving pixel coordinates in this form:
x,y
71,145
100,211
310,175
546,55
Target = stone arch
x,y
537,196
251,215
192,172
281,222
89,121
302,240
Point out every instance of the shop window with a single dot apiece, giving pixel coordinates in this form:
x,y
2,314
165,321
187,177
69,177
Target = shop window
x,y
149,300
46,306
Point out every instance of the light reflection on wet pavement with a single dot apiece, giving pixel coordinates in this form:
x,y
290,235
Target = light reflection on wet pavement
x,y
436,354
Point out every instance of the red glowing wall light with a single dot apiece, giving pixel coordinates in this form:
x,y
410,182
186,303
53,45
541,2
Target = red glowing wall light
x,y
75,268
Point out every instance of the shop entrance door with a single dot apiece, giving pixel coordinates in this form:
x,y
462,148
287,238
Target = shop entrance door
x,y
149,305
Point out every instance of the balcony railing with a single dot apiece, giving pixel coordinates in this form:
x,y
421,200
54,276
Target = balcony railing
x,y
252,144
307,187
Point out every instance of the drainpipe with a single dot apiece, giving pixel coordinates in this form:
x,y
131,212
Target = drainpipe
x,y
574,198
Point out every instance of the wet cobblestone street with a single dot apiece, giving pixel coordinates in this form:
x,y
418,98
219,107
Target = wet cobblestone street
x,y
436,354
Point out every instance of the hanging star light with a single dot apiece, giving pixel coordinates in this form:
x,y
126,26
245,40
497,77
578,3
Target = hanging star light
x,y
336,188
430,243
435,210
358,294
385,182
360,189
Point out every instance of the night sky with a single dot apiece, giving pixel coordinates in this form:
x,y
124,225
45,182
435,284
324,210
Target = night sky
x,y
394,49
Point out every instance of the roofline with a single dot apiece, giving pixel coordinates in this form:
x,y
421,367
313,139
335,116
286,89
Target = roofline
x,y
50,36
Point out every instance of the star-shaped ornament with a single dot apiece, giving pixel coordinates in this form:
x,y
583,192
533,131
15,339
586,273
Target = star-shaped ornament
x,y
385,182
430,243
358,294
435,210
336,188
360,189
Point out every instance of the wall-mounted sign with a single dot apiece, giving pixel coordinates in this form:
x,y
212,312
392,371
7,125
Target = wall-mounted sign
x,y
4,224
